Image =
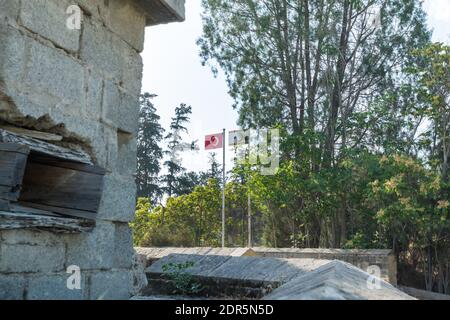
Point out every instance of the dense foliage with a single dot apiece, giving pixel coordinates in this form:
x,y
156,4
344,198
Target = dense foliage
x,y
160,171
362,100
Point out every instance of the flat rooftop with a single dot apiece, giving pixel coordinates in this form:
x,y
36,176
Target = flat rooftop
x,y
163,11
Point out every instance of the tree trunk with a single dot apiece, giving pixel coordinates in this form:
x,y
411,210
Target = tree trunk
x,y
336,98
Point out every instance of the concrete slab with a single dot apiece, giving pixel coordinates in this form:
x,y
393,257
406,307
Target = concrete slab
x,y
337,280
384,259
295,279
254,269
153,254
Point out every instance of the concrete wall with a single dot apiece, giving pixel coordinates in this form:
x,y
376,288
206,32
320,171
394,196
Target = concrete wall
x,y
384,259
84,84
153,254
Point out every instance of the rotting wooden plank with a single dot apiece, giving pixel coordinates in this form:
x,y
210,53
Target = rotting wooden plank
x,y
61,211
7,194
54,162
4,205
61,187
32,133
45,148
13,160
13,147
60,184
4,191
18,208
12,167
12,164
11,221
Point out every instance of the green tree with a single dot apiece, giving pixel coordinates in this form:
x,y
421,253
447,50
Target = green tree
x,y
175,146
187,181
324,73
149,152
363,112
413,215
214,171
188,220
312,66
433,70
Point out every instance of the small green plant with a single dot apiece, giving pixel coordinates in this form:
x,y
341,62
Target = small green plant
x,y
183,282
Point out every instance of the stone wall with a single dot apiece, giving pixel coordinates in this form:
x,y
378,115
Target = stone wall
x,y
84,85
385,260
253,277
153,254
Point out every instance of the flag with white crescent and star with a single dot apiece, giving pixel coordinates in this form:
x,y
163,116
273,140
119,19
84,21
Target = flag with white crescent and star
x,y
214,141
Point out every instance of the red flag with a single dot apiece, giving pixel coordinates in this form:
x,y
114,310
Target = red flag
x,y
214,141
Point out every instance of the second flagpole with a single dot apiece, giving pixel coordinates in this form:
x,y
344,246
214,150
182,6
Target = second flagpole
x,y
223,190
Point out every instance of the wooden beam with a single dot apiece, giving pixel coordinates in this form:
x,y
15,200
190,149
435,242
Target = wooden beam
x,y
61,187
60,211
11,221
43,147
4,205
49,178
19,208
13,159
54,162
13,147
32,133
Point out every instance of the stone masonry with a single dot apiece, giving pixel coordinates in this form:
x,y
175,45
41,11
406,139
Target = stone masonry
x,y
385,260
84,85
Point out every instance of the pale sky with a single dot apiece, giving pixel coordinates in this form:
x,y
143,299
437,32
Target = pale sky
x,y
173,71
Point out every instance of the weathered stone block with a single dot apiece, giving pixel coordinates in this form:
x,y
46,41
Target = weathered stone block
x,y
48,19
113,285
94,250
9,9
53,72
107,53
120,109
111,103
128,22
132,73
76,126
104,147
122,17
127,154
140,281
51,287
95,8
119,199
12,287
94,94
48,79
12,53
98,50
29,237
123,246
31,258
23,101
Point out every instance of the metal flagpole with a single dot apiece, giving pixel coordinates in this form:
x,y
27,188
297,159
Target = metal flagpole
x,y
223,191
250,242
